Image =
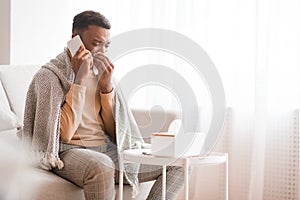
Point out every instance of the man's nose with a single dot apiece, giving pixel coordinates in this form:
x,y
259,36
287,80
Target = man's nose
x,y
99,48
102,49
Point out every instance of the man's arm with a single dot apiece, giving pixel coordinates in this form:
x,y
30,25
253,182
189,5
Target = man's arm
x,y
71,112
107,113
105,71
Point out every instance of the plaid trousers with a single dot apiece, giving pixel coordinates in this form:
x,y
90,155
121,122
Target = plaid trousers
x,y
95,169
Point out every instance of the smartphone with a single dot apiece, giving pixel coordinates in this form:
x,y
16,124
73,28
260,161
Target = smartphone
x,y
74,44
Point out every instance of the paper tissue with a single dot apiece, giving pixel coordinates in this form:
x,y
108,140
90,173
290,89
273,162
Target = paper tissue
x,y
176,142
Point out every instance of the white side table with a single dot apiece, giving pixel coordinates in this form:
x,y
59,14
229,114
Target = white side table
x,y
143,156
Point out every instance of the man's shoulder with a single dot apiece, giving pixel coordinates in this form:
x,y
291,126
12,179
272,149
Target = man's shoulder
x,y
45,75
55,74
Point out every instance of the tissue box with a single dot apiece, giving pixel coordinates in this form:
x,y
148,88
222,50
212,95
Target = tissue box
x,y
182,144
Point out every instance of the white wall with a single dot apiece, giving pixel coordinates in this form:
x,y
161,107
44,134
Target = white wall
x,y
41,29
5,31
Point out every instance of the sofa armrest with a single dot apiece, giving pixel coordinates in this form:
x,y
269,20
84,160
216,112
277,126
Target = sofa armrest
x,y
151,121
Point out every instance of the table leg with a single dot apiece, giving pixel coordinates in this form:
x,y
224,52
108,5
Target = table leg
x,y
121,169
164,182
186,178
226,179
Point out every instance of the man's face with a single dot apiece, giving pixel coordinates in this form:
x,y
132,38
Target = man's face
x,y
95,36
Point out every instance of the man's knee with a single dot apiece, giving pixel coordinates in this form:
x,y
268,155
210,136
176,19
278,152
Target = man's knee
x,y
100,168
175,170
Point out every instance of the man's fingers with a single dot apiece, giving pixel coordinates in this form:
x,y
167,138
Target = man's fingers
x,y
84,56
103,64
81,53
103,59
99,54
112,66
109,67
99,63
103,69
81,48
108,70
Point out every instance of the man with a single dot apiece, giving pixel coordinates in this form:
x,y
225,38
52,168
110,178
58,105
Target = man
x,y
74,118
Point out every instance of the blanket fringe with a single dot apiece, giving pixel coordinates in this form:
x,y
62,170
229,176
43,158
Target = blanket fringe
x,y
46,160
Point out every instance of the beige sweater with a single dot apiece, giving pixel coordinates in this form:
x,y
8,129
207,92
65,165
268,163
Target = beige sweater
x,y
87,113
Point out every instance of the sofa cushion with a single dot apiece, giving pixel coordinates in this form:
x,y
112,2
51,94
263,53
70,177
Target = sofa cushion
x,y
3,97
15,80
152,121
21,181
9,158
27,183
35,183
8,120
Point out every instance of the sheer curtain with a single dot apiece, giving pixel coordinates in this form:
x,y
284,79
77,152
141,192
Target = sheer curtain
x,y
255,46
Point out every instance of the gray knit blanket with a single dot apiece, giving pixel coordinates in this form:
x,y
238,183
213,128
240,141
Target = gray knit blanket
x,y
45,97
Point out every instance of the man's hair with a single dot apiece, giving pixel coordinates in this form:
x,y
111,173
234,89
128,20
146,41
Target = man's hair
x,y
82,20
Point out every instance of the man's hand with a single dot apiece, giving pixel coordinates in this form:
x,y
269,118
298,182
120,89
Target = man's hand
x,y
82,61
105,71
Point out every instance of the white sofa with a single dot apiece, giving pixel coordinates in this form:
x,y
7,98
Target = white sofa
x,y
18,181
